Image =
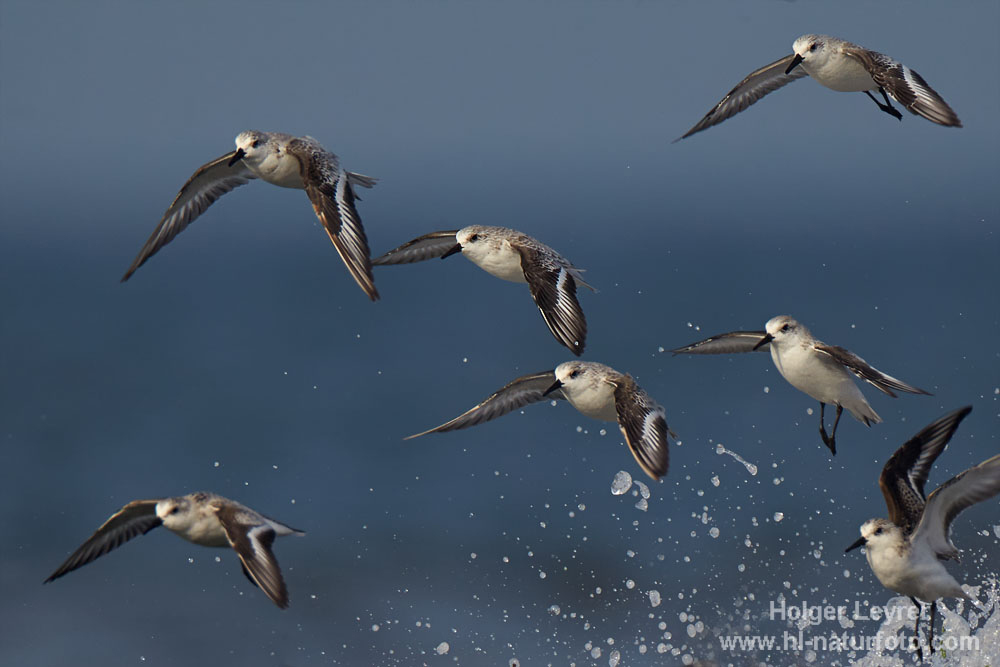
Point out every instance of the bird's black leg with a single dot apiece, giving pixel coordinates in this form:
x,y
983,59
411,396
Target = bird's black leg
x,y
829,440
930,636
833,432
916,629
887,107
822,426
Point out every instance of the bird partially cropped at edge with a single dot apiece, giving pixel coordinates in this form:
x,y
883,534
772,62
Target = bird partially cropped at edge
x,y
906,550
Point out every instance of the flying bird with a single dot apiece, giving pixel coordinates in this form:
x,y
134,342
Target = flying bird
x,y
510,255
906,550
595,390
811,366
202,518
840,66
290,162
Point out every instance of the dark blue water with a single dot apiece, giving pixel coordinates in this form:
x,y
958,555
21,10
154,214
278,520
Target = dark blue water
x,y
242,359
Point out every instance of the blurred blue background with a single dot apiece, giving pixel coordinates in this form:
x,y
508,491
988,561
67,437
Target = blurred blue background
x,y
242,358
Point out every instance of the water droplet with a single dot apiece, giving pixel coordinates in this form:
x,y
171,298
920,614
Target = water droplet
x,y
621,483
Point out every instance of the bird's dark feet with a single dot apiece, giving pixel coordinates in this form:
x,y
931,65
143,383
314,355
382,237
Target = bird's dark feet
x,y
887,107
892,111
829,441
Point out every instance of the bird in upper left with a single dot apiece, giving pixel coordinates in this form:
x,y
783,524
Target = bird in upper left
x,y
287,161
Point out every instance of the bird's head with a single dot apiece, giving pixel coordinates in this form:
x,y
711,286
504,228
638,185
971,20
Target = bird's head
x,y
251,146
474,241
876,534
575,376
782,329
809,50
170,510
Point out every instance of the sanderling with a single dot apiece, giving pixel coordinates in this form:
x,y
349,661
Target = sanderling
x,y
810,366
905,551
511,255
202,518
291,162
840,66
597,391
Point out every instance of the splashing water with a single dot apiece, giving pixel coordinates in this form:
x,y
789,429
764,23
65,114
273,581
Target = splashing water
x,y
751,468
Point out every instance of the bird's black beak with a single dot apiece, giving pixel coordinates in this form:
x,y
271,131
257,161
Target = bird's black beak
x,y
237,156
555,385
764,341
795,63
859,543
451,251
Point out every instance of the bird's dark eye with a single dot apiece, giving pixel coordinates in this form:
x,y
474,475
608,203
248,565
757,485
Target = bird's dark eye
x,y
878,531
255,144
474,237
785,328
812,47
575,374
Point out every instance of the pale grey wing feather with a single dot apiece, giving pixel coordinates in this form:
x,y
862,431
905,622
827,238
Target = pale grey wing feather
x,y
516,394
553,287
253,541
905,473
644,424
975,485
136,518
428,246
727,343
756,85
205,186
906,87
361,180
861,368
332,196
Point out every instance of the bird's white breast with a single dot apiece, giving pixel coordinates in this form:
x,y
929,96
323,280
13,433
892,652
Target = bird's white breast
x,y
911,573
596,400
840,72
804,368
500,260
279,168
200,527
